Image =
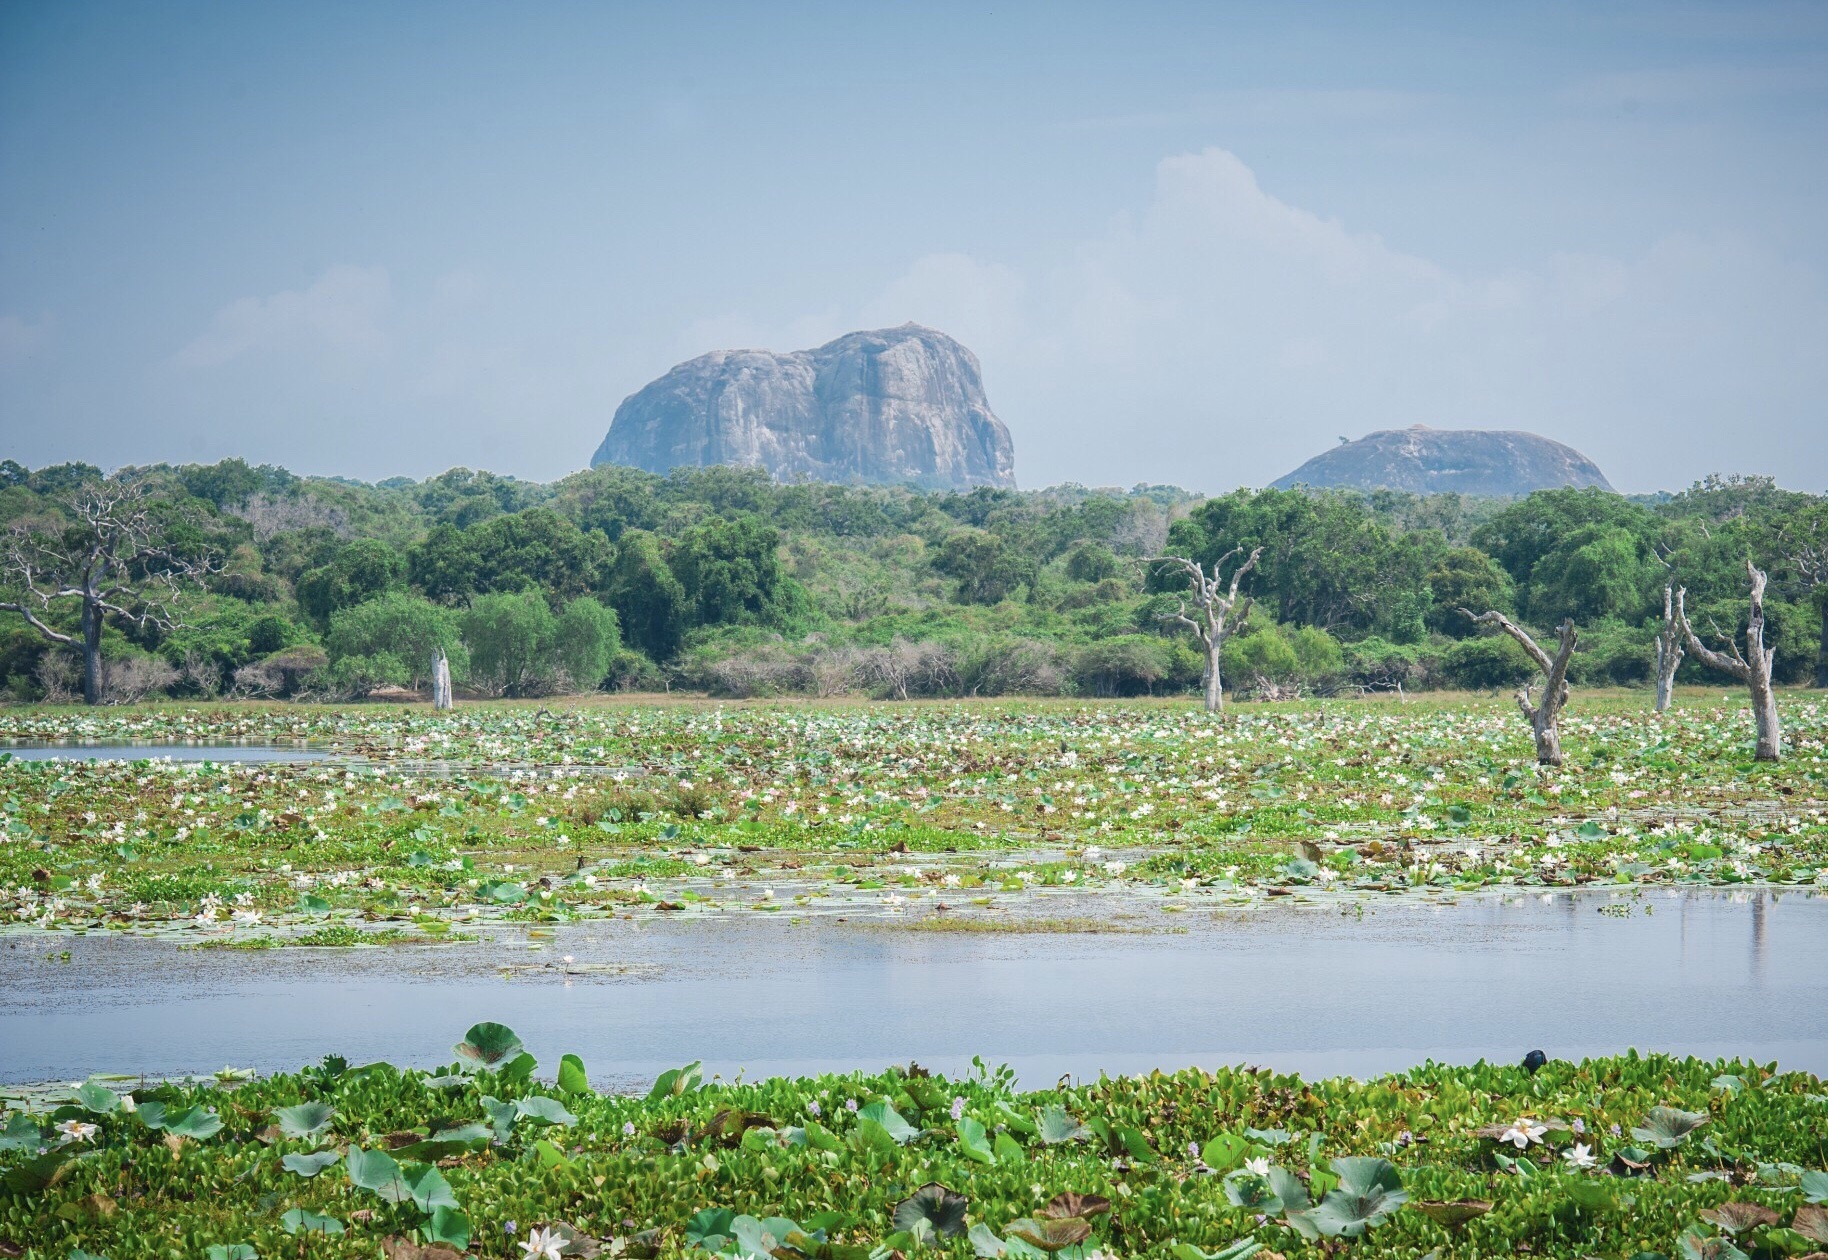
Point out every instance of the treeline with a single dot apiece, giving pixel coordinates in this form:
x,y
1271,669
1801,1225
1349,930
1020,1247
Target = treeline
x,y
722,580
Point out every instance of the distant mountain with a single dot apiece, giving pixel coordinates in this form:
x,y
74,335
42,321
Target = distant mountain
x,y
899,405
1432,461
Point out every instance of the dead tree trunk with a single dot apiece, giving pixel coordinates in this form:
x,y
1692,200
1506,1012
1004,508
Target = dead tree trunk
x,y
1751,667
1544,718
1669,651
1216,606
441,680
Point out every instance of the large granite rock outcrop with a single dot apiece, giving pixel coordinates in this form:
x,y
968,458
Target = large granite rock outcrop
x,y
1432,461
900,405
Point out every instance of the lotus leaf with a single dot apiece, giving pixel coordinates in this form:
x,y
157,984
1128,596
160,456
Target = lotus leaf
x,y
985,1245
310,1165
939,1208
544,1110
306,1120
973,1141
39,1173
1736,1218
572,1078
1369,1191
305,1221
1072,1203
883,1113
675,1082
97,1099
1667,1127
1224,1152
760,1237
21,1133
1815,1186
710,1229
1694,1247
1811,1221
1051,1235
229,1251
486,1045
376,1171
1055,1126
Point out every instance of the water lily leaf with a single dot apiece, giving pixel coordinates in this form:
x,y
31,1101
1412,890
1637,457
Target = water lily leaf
x,y
426,1188
938,1207
305,1221
448,1225
97,1099
196,1123
1224,1152
1241,1249
1056,1126
1268,1137
1246,1189
1811,1221
1667,1127
448,1142
710,1228
675,1082
544,1110
376,1171
1051,1235
20,1134
883,1113
1814,1186
871,1136
1452,1213
1008,1150
1594,1194
1369,1191
306,1120
310,1165
486,1045
230,1251
985,1245
973,1142
572,1078
1287,1187
1694,1247
1072,1203
1736,1218
763,1237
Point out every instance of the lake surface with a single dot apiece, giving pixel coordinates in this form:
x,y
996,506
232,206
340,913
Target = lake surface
x,y
40,751
1296,988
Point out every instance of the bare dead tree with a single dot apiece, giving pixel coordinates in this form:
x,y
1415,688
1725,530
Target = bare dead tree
x,y
1751,667
1669,651
441,680
1221,611
1544,718
112,557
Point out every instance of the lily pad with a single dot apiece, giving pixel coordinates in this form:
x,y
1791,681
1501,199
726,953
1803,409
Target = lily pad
x,y
1056,1126
1071,1203
1736,1218
306,1120
935,1206
1055,1234
310,1165
486,1045
1668,1127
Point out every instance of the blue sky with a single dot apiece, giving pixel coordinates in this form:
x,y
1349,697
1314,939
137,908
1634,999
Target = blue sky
x,y
1189,243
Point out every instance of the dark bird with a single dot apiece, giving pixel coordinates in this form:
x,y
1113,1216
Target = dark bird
x,y
1533,1061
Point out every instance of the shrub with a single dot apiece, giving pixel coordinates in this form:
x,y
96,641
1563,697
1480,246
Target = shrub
x,y
1487,664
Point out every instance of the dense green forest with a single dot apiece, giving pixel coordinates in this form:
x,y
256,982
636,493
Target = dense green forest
x,y
720,580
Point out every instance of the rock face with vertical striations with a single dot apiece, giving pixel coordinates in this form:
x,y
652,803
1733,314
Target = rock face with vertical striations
x,y
897,406
1433,461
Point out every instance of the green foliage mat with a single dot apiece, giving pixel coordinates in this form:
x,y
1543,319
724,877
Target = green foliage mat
x,y
1612,1157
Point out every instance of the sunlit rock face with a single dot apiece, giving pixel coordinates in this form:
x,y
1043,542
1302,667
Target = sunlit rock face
x,y
1433,461
900,406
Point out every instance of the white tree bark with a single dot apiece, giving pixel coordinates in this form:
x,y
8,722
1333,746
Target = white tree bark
x,y
1221,613
1751,667
1669,651
1544,718
441,679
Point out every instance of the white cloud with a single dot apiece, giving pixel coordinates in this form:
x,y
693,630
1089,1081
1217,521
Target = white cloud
x,y
1220,336
341,313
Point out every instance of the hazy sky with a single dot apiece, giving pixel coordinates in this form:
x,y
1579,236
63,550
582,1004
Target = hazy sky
x,y
1191,244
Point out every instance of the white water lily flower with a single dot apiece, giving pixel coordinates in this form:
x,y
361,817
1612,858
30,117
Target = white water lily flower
x,y
1580,1155
1258,1166
76,1130
542,1244
1523,1132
